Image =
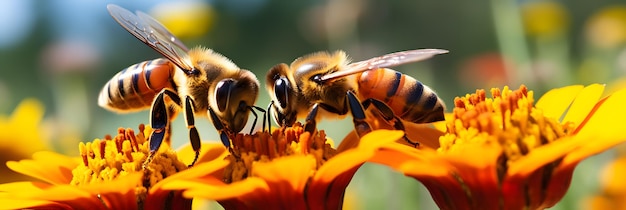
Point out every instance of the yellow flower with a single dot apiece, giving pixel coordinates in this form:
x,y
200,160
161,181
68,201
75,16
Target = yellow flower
x,y
109,174
20,136
290,169
506,152
607,28
185,19
613,194
544,18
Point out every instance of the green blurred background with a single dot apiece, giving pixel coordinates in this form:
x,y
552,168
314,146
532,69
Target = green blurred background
x,y
63,52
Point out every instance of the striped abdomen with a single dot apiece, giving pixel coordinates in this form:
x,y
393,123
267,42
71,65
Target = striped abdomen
x,y
135,87
408,98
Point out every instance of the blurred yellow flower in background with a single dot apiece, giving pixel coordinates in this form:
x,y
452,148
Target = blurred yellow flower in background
x,y
607,28
185,19
20,136
613,191
506,152
544,18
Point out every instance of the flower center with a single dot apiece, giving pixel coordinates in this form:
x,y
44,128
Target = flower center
x,y
107,159
508,119
263,147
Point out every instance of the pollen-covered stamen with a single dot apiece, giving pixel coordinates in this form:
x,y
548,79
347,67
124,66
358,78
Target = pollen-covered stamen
x,y
508,119
112,157
263,147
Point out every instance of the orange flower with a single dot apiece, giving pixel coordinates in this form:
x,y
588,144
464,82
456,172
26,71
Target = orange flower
x,y
108,175
505,152
287,170
613,191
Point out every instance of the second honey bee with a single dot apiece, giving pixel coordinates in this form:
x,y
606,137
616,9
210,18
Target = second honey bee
x,y
331,82
197,81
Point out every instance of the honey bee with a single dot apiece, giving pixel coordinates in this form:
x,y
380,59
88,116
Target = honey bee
x,y
331,82
199,81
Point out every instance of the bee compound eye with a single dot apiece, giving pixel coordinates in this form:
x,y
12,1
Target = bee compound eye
x,y
281,89
222,93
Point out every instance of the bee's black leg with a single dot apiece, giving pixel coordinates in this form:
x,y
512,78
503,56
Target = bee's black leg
x,y
269,115
310,124
358,115
194,137
387,114
159,121
252,108
220,128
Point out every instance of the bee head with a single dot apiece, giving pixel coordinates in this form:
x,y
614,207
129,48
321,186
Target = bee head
x,y
281,89
234,97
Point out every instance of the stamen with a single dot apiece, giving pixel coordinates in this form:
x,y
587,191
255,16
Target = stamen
x,y
107,159
508,119
263,147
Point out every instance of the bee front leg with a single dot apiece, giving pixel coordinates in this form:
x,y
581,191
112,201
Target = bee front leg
x,y
159,121
358,115
220,127
387,114
194,137
310,124
252,108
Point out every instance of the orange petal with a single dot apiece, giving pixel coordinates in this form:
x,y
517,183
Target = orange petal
x,y
30,204
47,166
197,171
584,102
556,101
295,170
235,190
541,156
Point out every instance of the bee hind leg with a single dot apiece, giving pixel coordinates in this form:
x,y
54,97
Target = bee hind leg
x,y
159,121
387,114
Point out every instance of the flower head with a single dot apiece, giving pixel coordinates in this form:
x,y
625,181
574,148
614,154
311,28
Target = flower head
x,y
505,151
290,169
109,174
20,136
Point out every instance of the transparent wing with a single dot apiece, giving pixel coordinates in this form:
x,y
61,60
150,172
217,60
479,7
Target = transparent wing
x,y
152,33
385,61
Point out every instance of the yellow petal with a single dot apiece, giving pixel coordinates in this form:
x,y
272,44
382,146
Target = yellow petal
x,y
604,129
584,102
209,151
556,101
46,166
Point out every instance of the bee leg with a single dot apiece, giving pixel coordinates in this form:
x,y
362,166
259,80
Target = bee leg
x,y
387,114
358,115
252,108
159,121
220,128
194,137
310,123
223,132
269,115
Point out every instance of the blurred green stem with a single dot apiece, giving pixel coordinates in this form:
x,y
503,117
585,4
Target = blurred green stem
x,y
510,34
